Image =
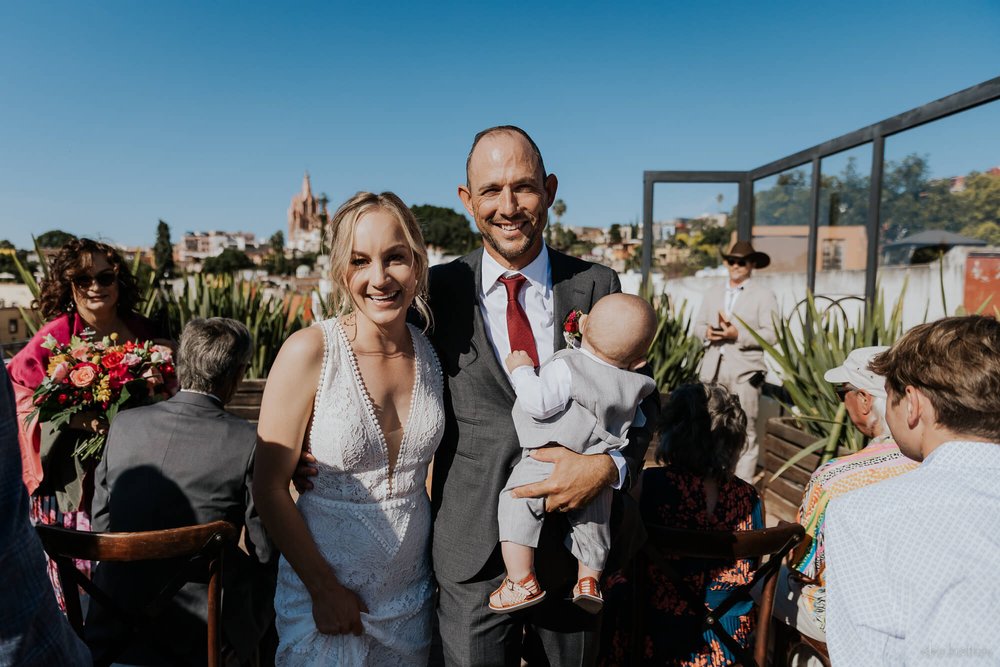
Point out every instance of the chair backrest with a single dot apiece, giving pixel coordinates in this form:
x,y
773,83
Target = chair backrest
x,y
665,544
197,551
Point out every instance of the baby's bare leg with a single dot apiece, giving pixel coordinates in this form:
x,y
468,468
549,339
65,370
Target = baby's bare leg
x,y
518,559
584,571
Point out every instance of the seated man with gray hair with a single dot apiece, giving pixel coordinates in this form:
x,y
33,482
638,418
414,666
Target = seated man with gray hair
x,y
801,597
182,462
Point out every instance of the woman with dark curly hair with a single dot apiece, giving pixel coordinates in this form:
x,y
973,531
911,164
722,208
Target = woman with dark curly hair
x,y
89,286
702,431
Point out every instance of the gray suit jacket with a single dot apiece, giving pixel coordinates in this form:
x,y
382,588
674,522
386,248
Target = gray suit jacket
x,y
480,447
178,463
744,356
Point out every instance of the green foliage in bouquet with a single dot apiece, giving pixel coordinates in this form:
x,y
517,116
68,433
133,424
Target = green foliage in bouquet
x,y
270,319
675,353
810,342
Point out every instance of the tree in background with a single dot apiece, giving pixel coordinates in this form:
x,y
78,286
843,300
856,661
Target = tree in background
x,y
7,263
163,252
277,263
559,209
446,229
230,260
55,238
615,234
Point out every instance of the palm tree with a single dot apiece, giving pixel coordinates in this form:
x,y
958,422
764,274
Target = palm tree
x,y
558,208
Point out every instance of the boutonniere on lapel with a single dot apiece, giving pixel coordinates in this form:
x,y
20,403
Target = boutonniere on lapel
x,y
571,328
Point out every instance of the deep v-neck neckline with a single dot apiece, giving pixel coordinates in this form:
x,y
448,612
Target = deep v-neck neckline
x,y
366,398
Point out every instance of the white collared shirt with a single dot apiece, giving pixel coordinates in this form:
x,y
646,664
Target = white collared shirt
x,y
912,561
203,393
535,297
732,295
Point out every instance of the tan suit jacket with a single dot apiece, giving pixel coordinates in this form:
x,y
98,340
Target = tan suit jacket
x,y
743,357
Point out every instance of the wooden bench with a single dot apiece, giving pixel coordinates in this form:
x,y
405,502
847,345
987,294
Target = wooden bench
x,y
246,401
782,440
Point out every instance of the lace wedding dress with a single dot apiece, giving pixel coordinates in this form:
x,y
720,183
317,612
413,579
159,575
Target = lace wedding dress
x,y
371,523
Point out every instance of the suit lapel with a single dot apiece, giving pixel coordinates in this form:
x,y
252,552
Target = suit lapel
x,y
569,292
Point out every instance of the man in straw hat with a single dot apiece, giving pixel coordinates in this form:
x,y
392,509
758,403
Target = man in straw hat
x,y
733,357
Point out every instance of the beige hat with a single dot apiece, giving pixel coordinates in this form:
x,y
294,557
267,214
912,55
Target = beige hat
x,y
854,371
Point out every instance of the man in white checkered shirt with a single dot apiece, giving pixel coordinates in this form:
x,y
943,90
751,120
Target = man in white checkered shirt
x,y
913,563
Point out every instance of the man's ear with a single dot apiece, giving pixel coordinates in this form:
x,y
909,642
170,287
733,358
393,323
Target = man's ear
x,y
637,364
864,401
551,185
915,408
466,196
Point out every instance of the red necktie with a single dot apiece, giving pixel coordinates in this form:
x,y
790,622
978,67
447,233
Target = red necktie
x,y
518,327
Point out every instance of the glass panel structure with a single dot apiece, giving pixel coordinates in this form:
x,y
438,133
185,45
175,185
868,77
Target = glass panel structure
x,y
842,217
781,219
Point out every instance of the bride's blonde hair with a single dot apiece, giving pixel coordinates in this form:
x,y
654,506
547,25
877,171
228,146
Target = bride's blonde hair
x,y
341,240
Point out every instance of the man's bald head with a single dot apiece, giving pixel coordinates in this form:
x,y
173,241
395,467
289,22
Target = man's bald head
x,y
505,129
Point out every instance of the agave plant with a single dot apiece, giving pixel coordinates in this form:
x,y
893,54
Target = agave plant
x,y
675,354
270,319
809,343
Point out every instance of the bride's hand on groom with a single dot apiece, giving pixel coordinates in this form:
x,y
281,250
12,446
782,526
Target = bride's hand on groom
x,y
576,479
337,611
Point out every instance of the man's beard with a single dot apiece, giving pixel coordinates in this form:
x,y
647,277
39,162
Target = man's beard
x,y
512,253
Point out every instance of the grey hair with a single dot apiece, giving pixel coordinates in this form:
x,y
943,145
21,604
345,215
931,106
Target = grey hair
x,y
212,352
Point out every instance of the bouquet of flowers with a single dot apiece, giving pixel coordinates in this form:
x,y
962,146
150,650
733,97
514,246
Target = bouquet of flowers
x,y
101,377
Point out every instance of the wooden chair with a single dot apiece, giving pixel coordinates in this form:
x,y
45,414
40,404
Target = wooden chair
x,y
791,646
197,551
667,543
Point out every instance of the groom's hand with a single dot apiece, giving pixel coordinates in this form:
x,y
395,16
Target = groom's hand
x,y
576,479
305,469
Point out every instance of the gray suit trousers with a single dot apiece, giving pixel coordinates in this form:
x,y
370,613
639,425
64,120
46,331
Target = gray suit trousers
x,y
589,538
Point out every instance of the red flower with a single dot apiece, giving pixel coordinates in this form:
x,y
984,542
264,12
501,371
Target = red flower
x,y
61,398
112,359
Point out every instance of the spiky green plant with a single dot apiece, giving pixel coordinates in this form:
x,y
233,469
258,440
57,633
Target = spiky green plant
x,y
270,319
810,342
675,354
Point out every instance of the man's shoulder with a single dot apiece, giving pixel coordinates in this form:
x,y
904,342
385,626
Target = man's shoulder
x,y
574,265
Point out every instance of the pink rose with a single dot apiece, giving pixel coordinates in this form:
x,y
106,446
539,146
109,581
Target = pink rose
x,y
60,372
83,375
80,352
131,359
166,354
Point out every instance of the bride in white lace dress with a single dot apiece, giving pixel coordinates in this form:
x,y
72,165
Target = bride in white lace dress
x,y
363,391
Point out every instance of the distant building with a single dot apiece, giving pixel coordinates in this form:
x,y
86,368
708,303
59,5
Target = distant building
x,y
306,215
195,247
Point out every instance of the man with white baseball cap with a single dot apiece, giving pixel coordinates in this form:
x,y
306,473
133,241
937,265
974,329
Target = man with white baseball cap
x,y
801,597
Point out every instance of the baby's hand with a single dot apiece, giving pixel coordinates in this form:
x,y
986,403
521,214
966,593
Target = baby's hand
x,y
516,359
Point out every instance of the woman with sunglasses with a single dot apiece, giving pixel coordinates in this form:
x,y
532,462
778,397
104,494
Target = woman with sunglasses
x,y
89,286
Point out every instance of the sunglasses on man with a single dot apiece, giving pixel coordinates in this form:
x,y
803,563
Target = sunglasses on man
x,y
736,261
843,390
105,278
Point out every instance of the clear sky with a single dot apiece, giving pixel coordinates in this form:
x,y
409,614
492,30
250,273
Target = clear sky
x,y
116,114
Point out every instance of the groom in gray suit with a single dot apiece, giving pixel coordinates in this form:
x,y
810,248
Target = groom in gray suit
x,y
514,292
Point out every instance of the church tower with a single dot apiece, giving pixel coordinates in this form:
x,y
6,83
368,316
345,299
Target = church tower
x,y
305,225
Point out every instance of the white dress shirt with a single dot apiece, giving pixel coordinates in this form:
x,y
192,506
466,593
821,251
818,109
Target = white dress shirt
x,y
732,294
536,299
912,563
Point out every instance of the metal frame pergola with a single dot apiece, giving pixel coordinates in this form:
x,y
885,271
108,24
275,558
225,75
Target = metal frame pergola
x,y
876,134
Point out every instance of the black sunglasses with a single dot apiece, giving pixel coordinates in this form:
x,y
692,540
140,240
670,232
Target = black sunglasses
x,y
735,261
843,390
105,278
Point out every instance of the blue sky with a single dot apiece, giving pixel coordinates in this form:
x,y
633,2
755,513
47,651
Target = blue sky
x,y
116,114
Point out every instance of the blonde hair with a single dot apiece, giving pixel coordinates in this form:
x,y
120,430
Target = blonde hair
x,y
341,241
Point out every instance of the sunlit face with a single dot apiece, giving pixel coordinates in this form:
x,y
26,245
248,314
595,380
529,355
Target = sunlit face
x,y
380,276
739,269
854,401
90,296
508,197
